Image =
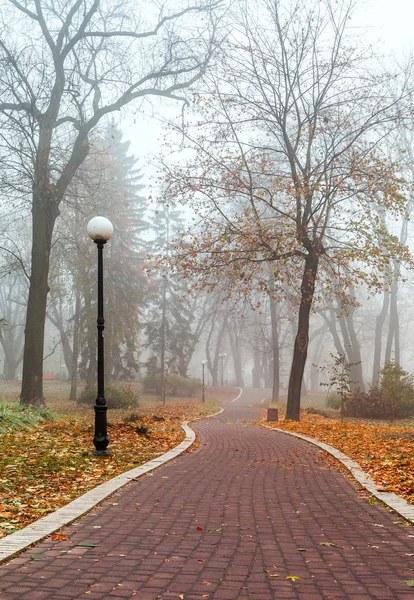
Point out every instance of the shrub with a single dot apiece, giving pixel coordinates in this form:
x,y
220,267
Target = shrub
x,y
175,385
333,401
393,399
116,395
317,411
182,386
16,416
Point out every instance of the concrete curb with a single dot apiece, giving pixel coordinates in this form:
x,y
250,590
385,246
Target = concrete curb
x,y
38,530
18,541
398,504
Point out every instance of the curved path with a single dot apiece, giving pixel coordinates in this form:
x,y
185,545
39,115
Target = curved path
x,y
250,514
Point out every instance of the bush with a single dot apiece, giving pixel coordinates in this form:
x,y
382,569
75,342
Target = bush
x,y
394,399
116,395
175,385
16,416
333,401
182,386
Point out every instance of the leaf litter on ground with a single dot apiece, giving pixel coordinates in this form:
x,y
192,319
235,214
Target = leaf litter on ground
x,y
47,466
385,451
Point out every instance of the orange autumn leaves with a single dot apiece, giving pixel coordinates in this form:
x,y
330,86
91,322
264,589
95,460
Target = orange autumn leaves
x,y
44,468
386,452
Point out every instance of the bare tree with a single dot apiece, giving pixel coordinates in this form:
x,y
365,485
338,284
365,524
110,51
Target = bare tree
x,y
288,167
63,68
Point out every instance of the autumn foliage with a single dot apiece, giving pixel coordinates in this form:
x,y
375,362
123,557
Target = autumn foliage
x,y
44,468
383,451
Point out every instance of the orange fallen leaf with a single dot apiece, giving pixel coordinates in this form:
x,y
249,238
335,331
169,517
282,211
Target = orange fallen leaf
x,y
59,537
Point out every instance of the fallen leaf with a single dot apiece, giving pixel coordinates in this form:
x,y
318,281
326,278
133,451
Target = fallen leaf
x,y
59,537
38,556
326,544
292,577
87,544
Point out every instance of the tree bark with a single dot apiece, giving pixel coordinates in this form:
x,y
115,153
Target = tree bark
x,y
75,351
393,329
44,213
300,350
235,345
275,346
379,324
162,338
356,376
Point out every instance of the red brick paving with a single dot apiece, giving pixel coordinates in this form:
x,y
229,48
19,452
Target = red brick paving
x,y
230,521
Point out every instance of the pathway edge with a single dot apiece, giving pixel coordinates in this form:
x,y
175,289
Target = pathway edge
x,y
393,501
36,531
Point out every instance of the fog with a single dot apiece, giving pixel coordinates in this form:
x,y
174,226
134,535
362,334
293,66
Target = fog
x,y
259,180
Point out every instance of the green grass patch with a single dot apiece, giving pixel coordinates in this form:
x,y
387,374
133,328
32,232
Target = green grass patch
x,y
16,416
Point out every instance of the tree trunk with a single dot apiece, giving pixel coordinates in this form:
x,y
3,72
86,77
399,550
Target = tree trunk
x,y
357,379
275,346
331,322
91,341
235,345
162,339
393,329
300,350
10,368
314,373
44,214
57,320
75,351
256,371
379,324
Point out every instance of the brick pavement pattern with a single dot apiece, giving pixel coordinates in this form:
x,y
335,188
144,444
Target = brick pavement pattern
x,y
251,514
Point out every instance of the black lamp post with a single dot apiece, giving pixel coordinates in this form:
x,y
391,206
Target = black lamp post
x,y
203,364
100,231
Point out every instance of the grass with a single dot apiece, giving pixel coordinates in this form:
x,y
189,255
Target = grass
x,y
15,416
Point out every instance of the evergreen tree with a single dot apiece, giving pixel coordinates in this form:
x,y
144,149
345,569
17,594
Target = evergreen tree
x,y
170,316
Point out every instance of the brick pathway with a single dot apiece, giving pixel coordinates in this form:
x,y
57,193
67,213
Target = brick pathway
x,y
241,517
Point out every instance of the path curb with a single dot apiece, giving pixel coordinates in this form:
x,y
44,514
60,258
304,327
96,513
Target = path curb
x,y
393,501
33,533
15,542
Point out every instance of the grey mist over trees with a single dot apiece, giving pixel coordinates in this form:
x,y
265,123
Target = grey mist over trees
x,y
277,231
289,168
64,68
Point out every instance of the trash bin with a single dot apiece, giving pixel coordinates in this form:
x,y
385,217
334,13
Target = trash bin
x,y
272,414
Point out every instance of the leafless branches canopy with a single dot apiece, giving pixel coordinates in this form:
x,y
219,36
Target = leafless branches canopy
x,y
64,66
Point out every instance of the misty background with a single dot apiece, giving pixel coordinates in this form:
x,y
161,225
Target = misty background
x,y
153,165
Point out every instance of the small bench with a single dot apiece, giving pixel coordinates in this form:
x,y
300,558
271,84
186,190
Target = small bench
x,y
49,377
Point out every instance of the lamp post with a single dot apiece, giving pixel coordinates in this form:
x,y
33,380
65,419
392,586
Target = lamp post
x,y
100,231
203,364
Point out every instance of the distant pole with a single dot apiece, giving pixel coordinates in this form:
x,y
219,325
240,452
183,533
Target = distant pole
x,y
203,364
100,231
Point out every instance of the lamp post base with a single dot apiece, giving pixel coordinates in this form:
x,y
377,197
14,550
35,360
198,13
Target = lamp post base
x,y
101,453
100,439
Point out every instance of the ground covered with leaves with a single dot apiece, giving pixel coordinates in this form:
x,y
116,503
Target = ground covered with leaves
x,y
385,451
46,466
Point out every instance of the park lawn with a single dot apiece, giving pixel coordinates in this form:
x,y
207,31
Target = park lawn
x,y
383,449
45,467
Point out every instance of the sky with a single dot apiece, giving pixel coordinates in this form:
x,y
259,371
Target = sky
x,y
390,27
